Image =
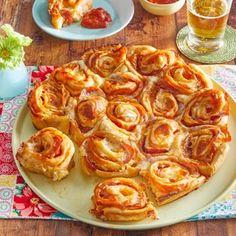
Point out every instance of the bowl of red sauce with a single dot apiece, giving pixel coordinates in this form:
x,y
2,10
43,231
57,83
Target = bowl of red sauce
x,y
162,7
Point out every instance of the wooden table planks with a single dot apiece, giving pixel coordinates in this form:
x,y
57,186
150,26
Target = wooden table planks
x,y
47,50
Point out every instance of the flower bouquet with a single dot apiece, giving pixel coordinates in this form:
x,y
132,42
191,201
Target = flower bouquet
x,y
13,73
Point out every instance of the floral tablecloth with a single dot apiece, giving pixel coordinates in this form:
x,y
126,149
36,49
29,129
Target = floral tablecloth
x,y
17,200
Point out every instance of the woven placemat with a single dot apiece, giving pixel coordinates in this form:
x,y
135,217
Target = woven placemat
x,y
224,54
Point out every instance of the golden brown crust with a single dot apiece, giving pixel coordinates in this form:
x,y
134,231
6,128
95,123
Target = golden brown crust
x,y
50,104
171,178
136,110
105,60
158,137
121,199
48,152
89,111
186,79
150,61
106,155
206,144
75,77
208,107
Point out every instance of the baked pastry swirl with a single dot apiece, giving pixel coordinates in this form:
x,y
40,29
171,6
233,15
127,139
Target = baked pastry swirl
x,y
50,103
125,113
121,199
48,152
150,61
123,84
132,111
75,77
206,144
90,108
106,155
159,99
209,107
186,79
171,178
158,137
105,60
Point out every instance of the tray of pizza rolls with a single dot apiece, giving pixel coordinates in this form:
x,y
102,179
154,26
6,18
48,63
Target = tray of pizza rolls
x,y
127,137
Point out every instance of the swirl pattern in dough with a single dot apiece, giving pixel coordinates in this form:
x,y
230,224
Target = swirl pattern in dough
x,y
150,61
106,155
186,79
171,178
75,77
161,100
50,103
121,199
209,107
105,60
90,109
206,144
48,152
123,84
128,115
158,137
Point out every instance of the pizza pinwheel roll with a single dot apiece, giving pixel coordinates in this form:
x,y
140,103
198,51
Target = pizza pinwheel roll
x,y
209,107
150,61
171,178
121,199
186,79
105,60
207,144
123,84
48,152
90,108
127,114
65,12
159,99
158,136
49,104
106,155
75,77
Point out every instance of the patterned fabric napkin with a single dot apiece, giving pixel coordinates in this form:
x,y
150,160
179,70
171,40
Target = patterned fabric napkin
x,y
17,200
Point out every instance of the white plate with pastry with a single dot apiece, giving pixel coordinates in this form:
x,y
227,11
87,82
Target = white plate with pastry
x,y
121,13
166,130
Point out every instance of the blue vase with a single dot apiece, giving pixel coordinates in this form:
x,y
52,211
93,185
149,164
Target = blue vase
x,y
13,82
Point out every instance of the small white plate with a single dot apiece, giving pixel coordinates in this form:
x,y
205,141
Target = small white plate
x,y
121,12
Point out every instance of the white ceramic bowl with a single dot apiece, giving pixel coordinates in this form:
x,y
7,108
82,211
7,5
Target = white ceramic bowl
x,y
162,9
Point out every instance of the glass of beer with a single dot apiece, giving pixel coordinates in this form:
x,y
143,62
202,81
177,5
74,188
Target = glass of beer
x,y
207,20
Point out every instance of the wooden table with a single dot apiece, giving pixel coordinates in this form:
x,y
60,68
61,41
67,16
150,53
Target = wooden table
x,y
46,50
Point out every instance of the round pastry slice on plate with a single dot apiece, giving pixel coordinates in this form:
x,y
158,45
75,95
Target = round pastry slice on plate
x,y
48,152
150,61
105,60
75,77
121,199
158,137
186,79
89,111
50,103
207,145
171,178
159,99
208,107
125,84
106,155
